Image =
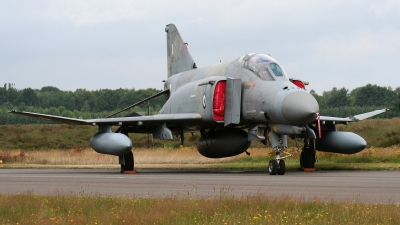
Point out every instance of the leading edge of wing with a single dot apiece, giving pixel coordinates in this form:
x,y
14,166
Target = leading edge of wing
x,y
353,118
177,118
57,119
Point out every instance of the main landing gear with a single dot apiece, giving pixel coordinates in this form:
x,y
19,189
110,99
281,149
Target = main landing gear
x,y
308,156
127,163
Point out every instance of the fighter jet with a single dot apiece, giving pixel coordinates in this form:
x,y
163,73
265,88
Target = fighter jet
x,y
231,104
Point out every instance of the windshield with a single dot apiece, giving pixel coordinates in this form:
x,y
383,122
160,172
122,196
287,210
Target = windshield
x,y
265,67
264,73
256,61
276,69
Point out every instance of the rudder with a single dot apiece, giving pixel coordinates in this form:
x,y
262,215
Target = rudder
x,y
179,58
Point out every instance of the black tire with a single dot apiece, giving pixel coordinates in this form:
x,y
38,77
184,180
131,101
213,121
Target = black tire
x,y
309,158
273,167
129,163
282,167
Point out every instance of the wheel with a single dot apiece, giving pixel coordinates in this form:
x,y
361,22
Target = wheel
x,y
308,158
128,162
282,167
273,167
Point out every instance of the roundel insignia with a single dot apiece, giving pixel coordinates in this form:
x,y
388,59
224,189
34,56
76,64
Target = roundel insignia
x,y
204,101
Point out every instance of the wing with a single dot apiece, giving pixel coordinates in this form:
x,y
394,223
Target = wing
x,y
338,120
57,119
175,119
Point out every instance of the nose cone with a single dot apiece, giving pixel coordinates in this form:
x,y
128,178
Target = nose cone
x,y
299,107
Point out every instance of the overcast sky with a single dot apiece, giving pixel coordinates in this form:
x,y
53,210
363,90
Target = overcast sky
x,y
122,44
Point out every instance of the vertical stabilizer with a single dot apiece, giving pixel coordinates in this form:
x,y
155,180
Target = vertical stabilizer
x,y
179,58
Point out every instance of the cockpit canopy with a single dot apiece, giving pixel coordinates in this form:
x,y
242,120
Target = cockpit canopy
x,y
264,66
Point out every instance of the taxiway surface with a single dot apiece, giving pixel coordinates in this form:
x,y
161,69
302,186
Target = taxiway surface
x,y
355,186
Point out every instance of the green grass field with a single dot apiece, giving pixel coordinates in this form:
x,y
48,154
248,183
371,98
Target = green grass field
x,y
188,158
252,209
63,146
377,133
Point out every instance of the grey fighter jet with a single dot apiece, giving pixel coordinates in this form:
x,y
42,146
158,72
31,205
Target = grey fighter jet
x,y
230,103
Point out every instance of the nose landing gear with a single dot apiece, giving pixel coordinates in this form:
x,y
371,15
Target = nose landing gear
x,y
279,143
276,168
278,165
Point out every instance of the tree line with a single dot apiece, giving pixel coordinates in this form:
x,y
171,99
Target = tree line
x,y
86,104
80,103
342,102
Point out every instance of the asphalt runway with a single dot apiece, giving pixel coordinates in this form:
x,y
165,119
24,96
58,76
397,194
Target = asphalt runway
x,y
342,186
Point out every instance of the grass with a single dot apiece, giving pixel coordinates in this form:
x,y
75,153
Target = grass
x,y
53,145
45,136
223,209
62,146
188,158
377,133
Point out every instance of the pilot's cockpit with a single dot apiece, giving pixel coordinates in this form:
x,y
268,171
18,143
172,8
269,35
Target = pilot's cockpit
x,y
264,66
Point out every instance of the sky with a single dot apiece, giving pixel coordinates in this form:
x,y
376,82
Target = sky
x,y
101,44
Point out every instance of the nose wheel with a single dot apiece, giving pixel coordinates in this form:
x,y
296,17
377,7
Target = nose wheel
x,y
275,167
279,144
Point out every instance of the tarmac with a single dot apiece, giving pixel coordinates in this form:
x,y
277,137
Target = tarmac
x,y
338,186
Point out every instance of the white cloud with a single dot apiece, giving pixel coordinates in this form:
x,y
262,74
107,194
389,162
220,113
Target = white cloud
x,y
385,8
198,20
308,37
94,12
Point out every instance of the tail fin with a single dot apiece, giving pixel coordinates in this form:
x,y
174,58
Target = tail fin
x,y
179,58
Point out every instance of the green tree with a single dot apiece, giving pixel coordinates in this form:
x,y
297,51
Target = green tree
x,y
3,94
29,97
373,95
338,98
8,93
67,113
397,101
107,100
49,89
321,101
52,111
84,100
61,109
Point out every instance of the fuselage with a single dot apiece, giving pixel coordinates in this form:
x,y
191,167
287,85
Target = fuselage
x,y
267,94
